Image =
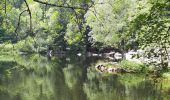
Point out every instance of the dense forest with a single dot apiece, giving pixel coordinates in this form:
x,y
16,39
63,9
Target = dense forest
x,y
40,26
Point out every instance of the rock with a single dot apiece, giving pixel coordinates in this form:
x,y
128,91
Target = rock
x,y
49,53
111,58
111,70
94,54
110,54
89,54
79,54
130,56
102,68
118,56
67,59
68,48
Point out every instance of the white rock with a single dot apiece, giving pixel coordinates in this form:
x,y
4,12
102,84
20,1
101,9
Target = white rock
x,y
79,54
118,56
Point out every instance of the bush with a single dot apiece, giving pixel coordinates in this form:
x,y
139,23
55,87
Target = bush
x,y
129,65
21,46
26,45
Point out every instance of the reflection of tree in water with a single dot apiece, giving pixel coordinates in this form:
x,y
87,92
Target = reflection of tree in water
x,y
74,75
147,90
37,78
28,79
98,87
5,67
122,87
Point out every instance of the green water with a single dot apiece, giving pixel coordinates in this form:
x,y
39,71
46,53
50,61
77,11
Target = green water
x,y
38,77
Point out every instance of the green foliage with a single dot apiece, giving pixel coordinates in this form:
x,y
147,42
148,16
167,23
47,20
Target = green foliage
x,y
132,66
73,34
152,27
28,46
107,24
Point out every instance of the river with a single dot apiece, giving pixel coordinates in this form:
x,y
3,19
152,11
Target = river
x,y
37,77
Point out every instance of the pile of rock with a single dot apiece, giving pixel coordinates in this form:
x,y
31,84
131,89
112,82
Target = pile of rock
x,y
151,56
101,68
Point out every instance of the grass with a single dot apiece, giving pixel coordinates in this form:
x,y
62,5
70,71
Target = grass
x,y
125,64
130,65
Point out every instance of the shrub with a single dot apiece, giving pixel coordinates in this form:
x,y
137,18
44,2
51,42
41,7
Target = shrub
x,y
130,65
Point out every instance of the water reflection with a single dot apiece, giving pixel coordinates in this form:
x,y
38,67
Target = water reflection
x,y
37,77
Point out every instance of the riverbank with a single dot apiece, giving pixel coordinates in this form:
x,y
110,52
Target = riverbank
x,y
114,64
125,66
149,61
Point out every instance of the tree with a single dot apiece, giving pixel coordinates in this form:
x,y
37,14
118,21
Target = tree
x,y
107,25
151,28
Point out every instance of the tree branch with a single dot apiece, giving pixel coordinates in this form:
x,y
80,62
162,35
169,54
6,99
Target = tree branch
x,y
29,11
5,6
61,6
19,22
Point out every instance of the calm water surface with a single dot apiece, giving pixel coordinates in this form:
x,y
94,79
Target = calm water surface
x,y
38,77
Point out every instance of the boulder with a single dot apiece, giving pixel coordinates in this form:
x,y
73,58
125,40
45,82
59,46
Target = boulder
x,y
102,68
118,56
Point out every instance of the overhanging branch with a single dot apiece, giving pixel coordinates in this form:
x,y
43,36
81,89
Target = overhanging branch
x,y
29,11
61,6
19,21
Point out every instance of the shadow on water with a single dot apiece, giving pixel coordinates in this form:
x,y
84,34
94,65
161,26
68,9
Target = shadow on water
x,y
37,77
